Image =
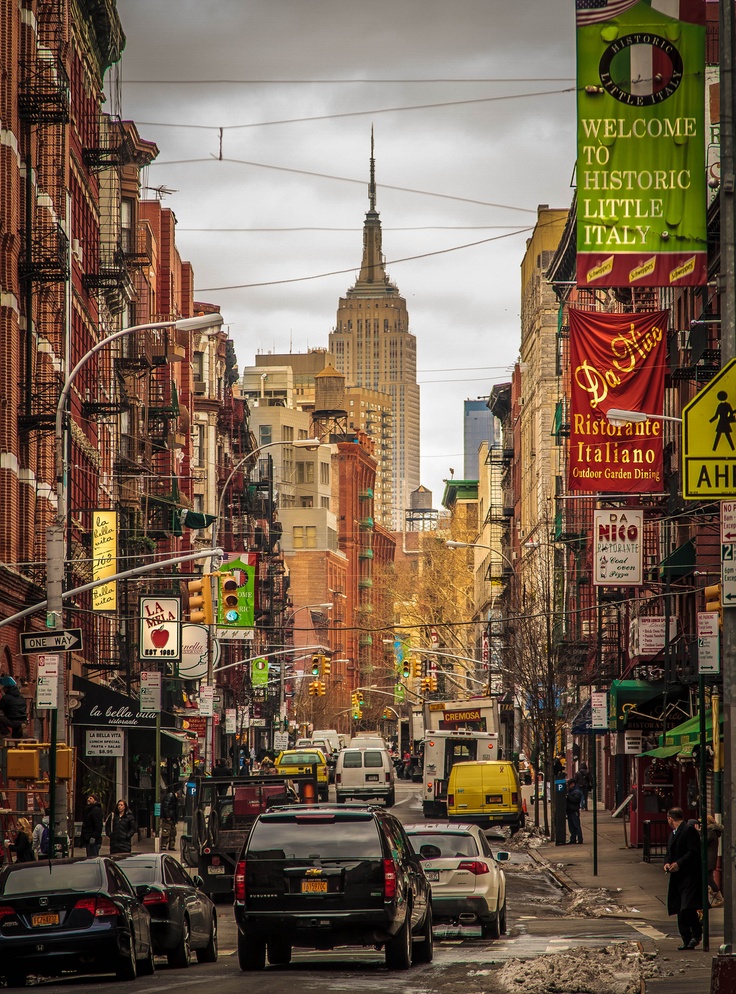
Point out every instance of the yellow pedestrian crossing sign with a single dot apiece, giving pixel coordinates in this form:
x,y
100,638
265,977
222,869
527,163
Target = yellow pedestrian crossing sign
x,y
709,440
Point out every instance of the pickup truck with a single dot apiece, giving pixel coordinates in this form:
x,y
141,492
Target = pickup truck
x,y
220,813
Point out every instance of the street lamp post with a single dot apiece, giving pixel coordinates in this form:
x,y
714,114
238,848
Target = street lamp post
x,y
56,544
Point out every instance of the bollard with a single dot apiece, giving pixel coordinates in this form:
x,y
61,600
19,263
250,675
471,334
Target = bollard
x,y
723,975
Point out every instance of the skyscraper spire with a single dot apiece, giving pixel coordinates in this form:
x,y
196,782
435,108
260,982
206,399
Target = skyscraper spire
x,y
372,269
372,183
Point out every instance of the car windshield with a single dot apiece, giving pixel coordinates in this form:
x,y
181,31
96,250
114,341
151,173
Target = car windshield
x,y
342,839
51,877
450,844
299,758
140,871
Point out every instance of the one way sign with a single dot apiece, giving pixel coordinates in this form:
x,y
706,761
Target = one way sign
x,y
69,640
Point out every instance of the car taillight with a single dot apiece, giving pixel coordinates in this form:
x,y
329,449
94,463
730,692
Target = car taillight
x,y
6,912
388,777
100,907
239,883
476,866
450,800
156,897
389,879
429,785
514,798
338,778
206,850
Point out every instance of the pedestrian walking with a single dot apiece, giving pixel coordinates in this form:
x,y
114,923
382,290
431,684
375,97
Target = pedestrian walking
x,y
584,781
41,842
714,831
91,834
573,800
169,818
120,828
682,867
22,842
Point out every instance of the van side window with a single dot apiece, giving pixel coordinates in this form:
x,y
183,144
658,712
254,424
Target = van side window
x,y
352,760
373,758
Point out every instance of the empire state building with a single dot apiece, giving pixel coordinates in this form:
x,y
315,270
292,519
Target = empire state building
x,y
375,350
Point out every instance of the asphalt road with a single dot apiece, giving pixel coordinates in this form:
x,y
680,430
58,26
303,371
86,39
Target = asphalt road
x,y
537,923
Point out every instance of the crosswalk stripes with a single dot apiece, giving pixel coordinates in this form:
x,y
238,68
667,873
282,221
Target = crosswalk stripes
x,y
649,930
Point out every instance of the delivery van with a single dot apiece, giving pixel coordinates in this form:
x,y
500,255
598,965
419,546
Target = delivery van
x,y
485,793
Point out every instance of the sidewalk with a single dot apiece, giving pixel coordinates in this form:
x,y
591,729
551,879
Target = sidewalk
x,y
640,890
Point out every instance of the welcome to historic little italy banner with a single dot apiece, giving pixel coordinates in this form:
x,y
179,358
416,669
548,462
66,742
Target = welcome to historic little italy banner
x,y
616,361
641,179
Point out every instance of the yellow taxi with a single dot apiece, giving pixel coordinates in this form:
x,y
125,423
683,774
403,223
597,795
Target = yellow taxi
x,y
294,761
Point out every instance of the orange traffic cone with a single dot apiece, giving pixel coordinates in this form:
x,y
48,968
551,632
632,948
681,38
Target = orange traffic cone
x,y
523,806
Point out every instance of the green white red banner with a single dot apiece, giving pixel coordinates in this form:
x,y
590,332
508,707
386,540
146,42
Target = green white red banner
x,y
616,362
641,178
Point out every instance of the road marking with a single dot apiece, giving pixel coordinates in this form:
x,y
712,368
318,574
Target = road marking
x,y
649,930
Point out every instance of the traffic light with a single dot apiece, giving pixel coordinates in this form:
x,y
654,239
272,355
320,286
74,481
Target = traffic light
x,y
713,600
326,666
313,688
417,668
320,688
426,682
315,665
200,600
405,669
230,611
433,683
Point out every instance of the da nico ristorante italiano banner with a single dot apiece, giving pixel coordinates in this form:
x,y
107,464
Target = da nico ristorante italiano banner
x,y
616,361
641,178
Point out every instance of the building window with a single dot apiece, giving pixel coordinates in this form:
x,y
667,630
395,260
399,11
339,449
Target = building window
x,y
305,472
198,445
306,502
305,537
324,474
265,436
287,433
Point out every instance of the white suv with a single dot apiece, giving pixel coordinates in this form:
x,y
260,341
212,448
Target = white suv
x,y
363,774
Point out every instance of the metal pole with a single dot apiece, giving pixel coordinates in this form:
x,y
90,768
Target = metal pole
x,y
594,762
727,286
157,787
703,812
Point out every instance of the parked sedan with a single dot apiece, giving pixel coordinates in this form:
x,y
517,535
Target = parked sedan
x,y
183,918
468,885
71,914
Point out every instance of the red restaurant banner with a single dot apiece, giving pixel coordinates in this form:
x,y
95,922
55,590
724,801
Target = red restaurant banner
x,y
616,361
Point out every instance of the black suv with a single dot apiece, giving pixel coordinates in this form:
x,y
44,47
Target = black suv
x,y
327,875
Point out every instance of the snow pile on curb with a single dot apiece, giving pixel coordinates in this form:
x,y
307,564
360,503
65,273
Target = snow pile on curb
x,y
616,969
595,902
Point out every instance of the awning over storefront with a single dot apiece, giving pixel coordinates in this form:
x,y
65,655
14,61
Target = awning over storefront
x,y
625,695
173,742
683,737
662,752
582,723
679,563
100,707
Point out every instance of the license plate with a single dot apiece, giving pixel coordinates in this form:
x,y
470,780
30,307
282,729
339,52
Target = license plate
x,y
215,869
494,799
37,920
432,875
372,777
314,886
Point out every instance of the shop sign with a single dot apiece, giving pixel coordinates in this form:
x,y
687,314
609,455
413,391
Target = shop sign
x,y
646,635
104,559
632,743
160,628
617,362
618,551
105,742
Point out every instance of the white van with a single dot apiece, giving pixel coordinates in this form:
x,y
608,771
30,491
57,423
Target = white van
x,y
365,773
330,736
368,740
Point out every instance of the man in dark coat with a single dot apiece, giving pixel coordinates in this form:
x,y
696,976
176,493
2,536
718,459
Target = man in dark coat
x,y
573,800
682,866
91,834
169,818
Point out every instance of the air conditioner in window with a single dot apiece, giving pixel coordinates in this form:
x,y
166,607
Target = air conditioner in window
x,y
200,387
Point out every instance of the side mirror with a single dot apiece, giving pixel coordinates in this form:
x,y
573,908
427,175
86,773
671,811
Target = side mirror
x,y
141,890
502,856
199,882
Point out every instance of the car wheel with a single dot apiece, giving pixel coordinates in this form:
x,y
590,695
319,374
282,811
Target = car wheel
x,y
391,799
15,980
209,953
182,954
399,949
127,968
147,967
502,919
423,952
279,952
490,928
251,952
